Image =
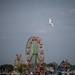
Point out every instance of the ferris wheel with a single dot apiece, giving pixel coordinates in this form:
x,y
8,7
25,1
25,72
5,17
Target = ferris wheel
x,y
34,51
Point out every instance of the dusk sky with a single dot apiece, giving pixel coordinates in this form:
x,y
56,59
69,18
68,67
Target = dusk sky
x,y
21,19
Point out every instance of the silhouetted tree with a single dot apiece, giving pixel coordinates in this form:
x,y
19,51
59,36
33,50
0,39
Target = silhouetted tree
x,y
6,67
55,64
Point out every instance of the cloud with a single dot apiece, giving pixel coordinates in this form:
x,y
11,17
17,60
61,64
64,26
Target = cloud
x,y
61,13
42,31
72,11
4,37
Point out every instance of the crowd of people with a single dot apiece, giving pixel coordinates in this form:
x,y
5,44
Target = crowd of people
x,y
48,72
36,71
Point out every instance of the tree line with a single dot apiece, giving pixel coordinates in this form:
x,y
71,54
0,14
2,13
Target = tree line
x,y
6,67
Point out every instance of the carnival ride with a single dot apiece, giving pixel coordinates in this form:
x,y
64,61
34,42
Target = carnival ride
x,y
34,51
18,61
